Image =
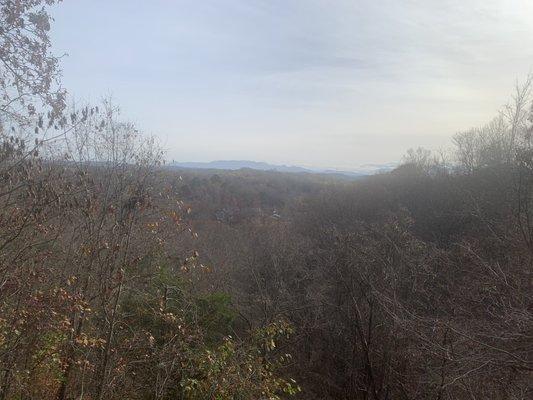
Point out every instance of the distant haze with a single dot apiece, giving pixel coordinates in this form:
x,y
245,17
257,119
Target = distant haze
x,y
362,170
316,83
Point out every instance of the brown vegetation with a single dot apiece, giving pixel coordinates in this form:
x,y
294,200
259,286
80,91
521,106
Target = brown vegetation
x,y
123,279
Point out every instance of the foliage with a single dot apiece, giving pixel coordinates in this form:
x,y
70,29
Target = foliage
x,y
120,279
96,299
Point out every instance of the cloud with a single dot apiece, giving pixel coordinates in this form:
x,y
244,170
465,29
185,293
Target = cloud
x,y
233,74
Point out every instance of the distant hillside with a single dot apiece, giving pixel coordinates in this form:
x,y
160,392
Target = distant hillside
x,y
239,164
263,166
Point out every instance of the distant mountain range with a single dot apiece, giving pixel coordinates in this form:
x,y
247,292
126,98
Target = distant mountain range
x,y
363,170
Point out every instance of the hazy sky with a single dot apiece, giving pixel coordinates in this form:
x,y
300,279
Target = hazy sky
x,y
327,83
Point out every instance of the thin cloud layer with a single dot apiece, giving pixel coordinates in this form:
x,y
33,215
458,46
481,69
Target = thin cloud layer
x,y
318,83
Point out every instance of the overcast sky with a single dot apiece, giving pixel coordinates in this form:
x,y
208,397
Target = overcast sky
x,y
324,83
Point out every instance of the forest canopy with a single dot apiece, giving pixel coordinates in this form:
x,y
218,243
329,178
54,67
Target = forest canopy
x,y
124,278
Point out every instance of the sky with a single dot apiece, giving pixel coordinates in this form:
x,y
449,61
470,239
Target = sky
x,y
316,83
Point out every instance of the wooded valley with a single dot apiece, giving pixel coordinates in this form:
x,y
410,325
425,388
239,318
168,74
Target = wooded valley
x,y
124,278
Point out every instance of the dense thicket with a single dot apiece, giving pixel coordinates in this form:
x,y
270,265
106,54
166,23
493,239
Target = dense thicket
x,y
406,285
